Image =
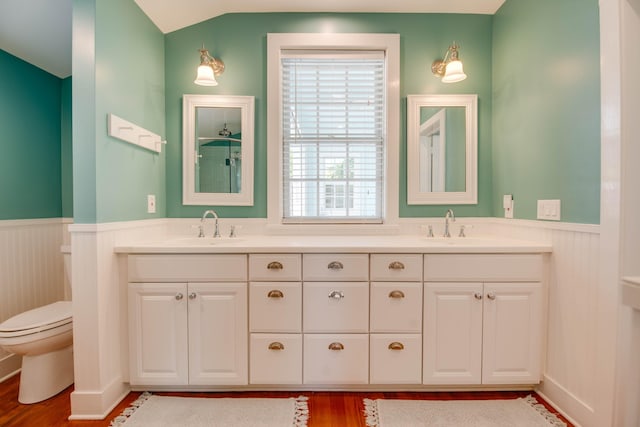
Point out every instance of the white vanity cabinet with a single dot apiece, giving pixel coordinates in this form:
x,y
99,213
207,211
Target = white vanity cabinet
x,y
395,347
275,319
483,319
335,320
192,332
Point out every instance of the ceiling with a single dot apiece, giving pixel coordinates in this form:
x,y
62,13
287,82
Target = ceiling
x,y
39,31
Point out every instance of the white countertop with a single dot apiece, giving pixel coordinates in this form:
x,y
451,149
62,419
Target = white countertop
x,y
335,244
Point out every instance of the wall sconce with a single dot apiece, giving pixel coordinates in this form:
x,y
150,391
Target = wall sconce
x,y
208,69
450,68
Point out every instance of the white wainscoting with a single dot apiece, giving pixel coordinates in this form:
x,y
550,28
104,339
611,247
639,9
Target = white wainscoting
x,y
31,271
570,379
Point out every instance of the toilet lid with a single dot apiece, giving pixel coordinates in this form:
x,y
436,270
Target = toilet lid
x,y
57,313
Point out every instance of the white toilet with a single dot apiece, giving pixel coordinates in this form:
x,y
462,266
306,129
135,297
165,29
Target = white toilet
x,y
44,338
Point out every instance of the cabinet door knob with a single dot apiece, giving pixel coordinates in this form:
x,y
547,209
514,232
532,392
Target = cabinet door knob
x,y
275,293
275,265
179,296
396,346
396,294
192,295
491,296
396,265
336,346
335,265
336,294
276,346
477,295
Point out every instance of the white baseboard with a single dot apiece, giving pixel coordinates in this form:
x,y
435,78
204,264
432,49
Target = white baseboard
x,y
566,403
9,366
96,405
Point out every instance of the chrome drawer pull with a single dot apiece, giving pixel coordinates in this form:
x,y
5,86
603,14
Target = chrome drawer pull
x,y
396,346
396,294
477,295
275,294
192,295
276,346
335,265
336,295
336,346
275,265
396,265
491,296
179,296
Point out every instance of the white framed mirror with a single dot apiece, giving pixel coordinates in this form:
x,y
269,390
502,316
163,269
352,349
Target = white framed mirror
x,y
442,149
217,150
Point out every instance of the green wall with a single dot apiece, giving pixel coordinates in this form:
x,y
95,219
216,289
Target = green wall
x,y
66,150
240,41
546,107
118,67
30,133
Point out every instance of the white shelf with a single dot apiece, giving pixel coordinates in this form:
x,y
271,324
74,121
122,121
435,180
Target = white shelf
x,y
126,131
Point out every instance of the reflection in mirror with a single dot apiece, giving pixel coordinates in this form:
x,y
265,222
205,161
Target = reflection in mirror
x,y
218,150
441,149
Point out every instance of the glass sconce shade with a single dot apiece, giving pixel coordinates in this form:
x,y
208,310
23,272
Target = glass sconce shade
x,y
205,76
454,72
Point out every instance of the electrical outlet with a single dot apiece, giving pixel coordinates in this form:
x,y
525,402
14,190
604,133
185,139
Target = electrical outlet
x,y
151,203
549,210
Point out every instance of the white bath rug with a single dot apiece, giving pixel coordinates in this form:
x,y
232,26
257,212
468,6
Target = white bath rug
x,y
522,412
164,411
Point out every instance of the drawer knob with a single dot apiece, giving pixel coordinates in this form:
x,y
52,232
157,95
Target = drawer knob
x,y
275,265
336,295
179,296
276,346
477,295
396,294
192,295
336,346
275,293
396,265
335,265
396,346
491,296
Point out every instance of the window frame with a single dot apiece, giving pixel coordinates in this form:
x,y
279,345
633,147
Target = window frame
x,y
279,42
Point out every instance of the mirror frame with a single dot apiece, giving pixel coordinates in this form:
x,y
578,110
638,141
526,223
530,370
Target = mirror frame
x,y
414,195
189,105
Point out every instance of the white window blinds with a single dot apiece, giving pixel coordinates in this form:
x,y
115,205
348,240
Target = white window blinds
x,y
333,136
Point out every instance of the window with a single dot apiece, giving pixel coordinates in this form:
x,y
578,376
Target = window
x,y
332,141
333,134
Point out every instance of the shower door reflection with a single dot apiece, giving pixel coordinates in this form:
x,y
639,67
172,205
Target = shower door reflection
x,y
219,150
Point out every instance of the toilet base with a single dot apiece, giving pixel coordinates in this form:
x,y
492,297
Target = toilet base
x,y
45,375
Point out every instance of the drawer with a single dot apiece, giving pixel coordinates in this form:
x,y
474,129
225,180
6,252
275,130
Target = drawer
x,y
336,359
396,307
338,267
275,306
335,306
184,268
396,359
270,267
483,267
394,267
275,359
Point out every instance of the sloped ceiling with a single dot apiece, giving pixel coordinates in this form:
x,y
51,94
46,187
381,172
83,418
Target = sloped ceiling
x,y
39,31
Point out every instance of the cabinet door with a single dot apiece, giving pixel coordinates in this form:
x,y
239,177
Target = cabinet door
x,y
218,333
512,333
158,334
452,333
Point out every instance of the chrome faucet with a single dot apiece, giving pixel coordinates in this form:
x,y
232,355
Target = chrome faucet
x,y
216,231
447,216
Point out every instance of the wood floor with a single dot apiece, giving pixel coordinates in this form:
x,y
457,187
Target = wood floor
x,y
327,409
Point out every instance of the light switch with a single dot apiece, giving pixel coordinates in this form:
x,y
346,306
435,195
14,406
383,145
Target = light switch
x,y
549,210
